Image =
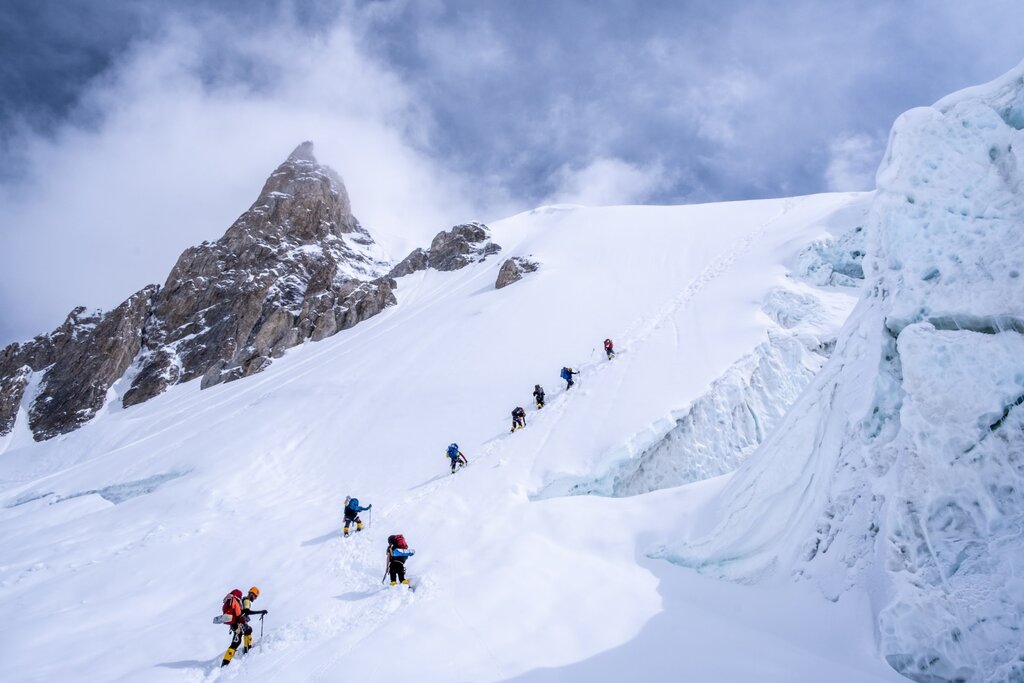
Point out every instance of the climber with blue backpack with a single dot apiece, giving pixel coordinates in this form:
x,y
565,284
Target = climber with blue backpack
x,y
352,510
567,374
456,456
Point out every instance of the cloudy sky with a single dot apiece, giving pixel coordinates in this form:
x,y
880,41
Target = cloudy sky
x,y
131,129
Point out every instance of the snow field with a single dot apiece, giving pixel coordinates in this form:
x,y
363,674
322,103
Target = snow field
x,y
509,586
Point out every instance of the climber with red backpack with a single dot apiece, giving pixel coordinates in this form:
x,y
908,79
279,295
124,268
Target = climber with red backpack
x,y
398,553
609,348
235,613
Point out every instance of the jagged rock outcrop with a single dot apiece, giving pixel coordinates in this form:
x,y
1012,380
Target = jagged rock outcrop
x,y
461,246
297,265
513,270
75,387
418,260
18,361
279,273
450,250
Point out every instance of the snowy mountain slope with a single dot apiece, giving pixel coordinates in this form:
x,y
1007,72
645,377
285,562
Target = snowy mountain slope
x,y
900,469
121,538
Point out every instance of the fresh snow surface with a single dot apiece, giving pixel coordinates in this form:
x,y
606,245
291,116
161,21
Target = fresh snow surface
x,y
901,470
120,539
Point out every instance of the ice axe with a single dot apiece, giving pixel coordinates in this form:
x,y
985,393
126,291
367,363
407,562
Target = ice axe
x,y
261,632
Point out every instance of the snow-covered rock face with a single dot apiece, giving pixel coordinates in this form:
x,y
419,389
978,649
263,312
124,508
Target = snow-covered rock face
x,y
19,361
76,363
901,468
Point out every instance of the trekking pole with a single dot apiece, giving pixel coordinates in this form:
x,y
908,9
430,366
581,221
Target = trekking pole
x,y
261,632
369,518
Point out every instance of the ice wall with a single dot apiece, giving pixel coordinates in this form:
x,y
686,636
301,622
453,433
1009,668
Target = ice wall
x,y
719,429
901,468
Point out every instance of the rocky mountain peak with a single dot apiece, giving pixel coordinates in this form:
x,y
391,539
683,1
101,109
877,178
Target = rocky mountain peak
x,y
301,199
230,306
304,152
296,265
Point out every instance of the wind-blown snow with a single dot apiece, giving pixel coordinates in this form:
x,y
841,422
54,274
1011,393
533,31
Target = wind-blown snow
x,y
901,469
509,587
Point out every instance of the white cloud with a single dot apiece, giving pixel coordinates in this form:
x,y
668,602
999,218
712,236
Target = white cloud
x,y
720,104
607,181
853,160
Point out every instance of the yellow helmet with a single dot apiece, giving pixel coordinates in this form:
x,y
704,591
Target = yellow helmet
x,y
255,592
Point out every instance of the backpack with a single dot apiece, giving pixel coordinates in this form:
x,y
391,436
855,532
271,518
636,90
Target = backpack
x,y
352,503
453,451
232,604
398,541
566,373
607,343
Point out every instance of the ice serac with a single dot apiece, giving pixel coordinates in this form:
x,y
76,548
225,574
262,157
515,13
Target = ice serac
x,y
296,265
719,429
900,469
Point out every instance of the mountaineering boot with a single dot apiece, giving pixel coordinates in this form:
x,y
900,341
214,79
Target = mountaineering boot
x,y
345,532
394,583
405,582
227,656
248,644
359,526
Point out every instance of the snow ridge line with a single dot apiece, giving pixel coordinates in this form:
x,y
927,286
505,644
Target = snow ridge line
x,y
642,328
